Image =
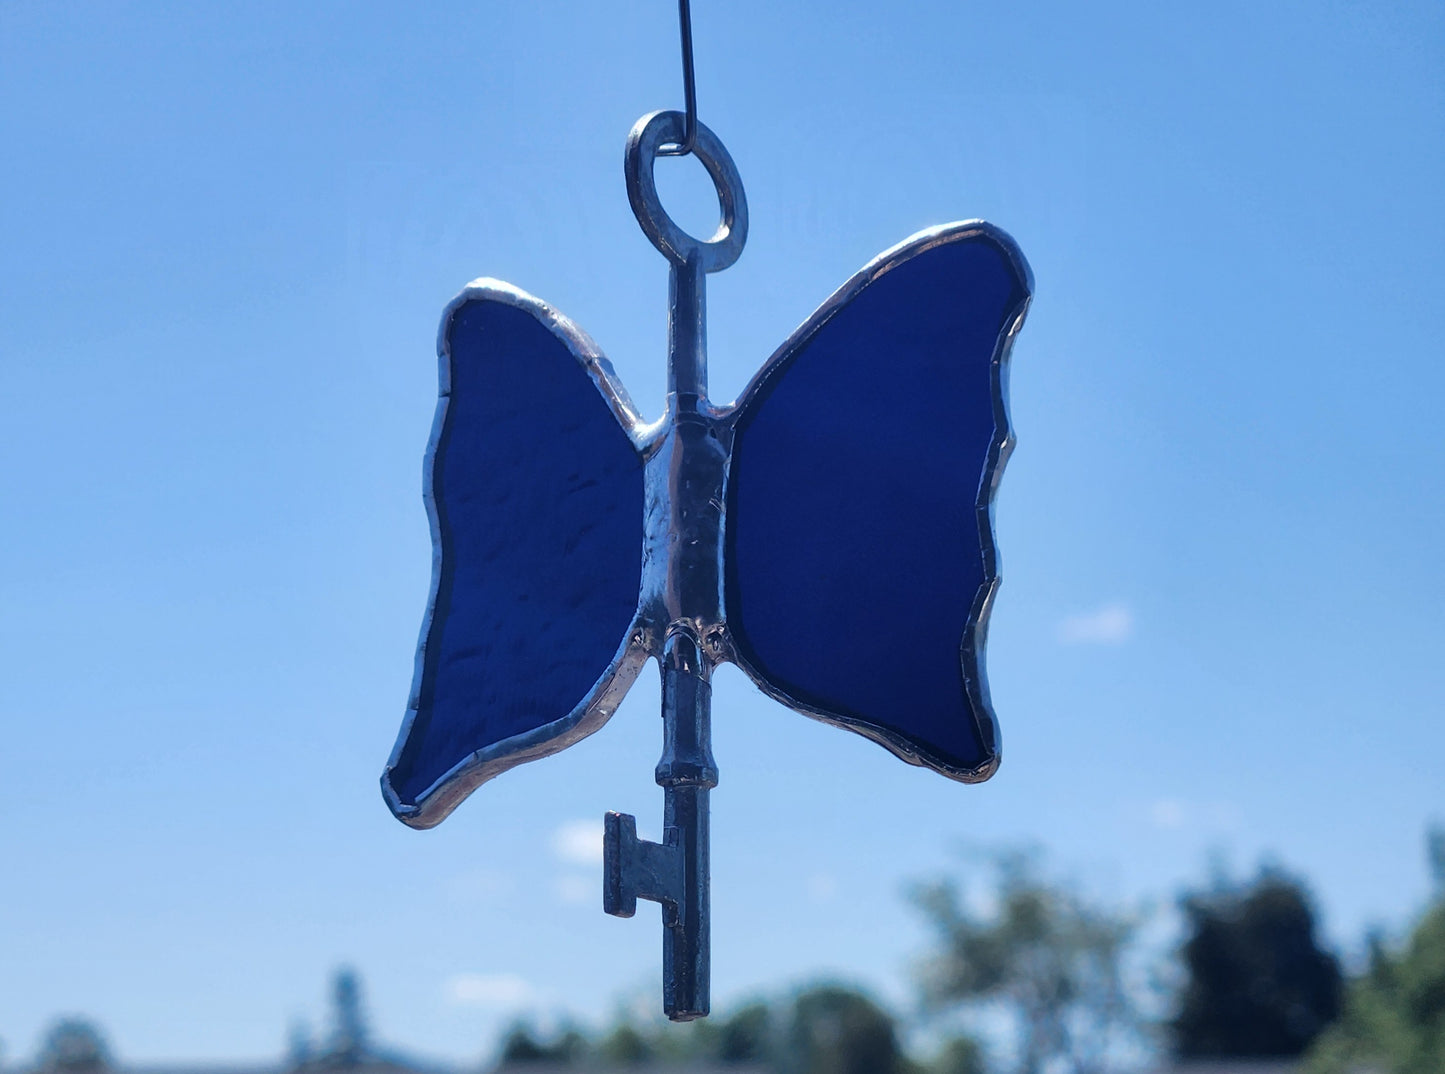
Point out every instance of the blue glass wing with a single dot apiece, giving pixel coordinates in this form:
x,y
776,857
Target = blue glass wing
x,y
859,554
534,491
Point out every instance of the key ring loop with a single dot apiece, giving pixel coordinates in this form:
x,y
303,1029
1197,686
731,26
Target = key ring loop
x,y
648,135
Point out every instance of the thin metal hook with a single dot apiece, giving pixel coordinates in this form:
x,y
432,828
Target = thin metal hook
x,y
689,88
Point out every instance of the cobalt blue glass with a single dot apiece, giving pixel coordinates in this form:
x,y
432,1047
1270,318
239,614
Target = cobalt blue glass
x,y
535,492
859,545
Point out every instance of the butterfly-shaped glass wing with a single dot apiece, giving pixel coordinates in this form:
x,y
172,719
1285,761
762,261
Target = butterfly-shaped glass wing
x,y
860,562
859,555
534,492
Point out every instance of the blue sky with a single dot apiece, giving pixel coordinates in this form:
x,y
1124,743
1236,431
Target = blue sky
x,y
226,235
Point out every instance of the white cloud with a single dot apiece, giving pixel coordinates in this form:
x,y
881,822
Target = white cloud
x,y
1172,814
496,991
578,842
1109,625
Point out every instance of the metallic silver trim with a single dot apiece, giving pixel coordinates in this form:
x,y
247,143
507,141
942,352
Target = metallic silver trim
x,y
643,145
971,646
444,795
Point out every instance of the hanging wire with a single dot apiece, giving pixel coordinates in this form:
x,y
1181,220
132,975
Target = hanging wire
x,y
689,89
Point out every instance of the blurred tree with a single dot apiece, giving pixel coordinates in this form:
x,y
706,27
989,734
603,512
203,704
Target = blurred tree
x,y
522,1045
571,1045
349,1036
823,1029
960,1055
625,1045
299,1050
1258,984
1435,851
1050,961
1394,1018
74,1046
836,1030
747,1036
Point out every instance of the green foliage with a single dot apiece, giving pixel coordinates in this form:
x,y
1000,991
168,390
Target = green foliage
x,y
1259,984
836,1030
961,1055
74,1046
1394,1019
520,1045
823,1029
747,1035
1046,957
523,1045
625,1045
